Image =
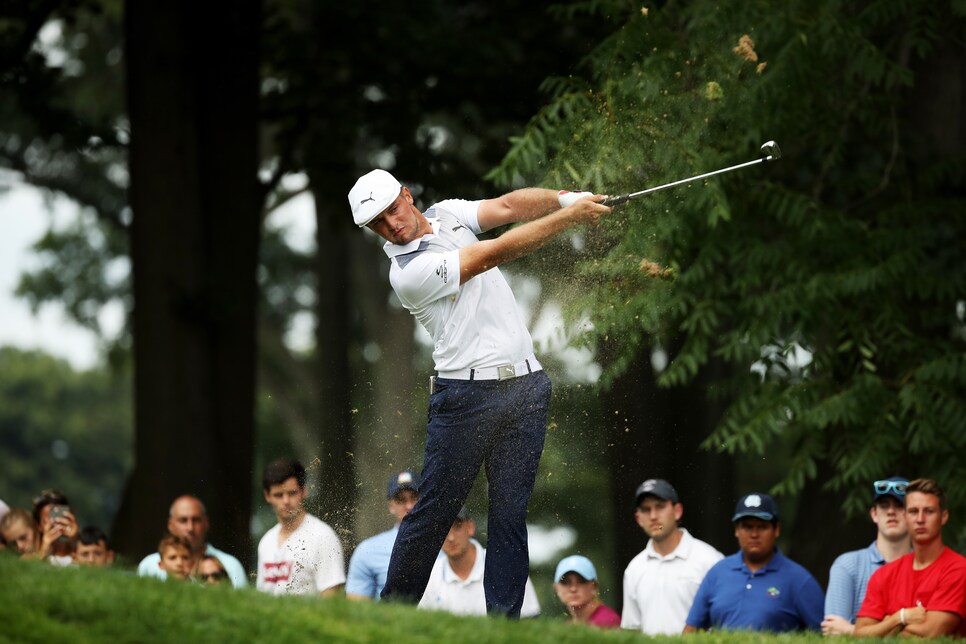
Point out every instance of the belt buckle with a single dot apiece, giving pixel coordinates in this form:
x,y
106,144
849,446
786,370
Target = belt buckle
x,y
505,372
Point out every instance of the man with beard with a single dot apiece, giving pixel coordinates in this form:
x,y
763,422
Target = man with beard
x,y
757,588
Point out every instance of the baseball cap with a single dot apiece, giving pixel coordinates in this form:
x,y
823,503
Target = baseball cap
x,y
405,480
463,514
371,194
659,488
578,564
760,506
894,486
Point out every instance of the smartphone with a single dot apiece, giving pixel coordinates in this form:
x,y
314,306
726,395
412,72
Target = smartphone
x,y
57,511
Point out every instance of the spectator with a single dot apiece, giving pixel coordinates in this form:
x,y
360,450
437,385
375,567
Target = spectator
x,y
456,582
188,518
174,557
661,581
58,527
300,555
850,573
488,401
211,571
575,582
93,548
20,532
370,561
923,593
757,588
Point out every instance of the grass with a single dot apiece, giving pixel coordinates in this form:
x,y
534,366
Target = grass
x,y
42,603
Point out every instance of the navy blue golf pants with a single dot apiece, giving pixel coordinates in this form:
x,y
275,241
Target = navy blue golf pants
x,y
496,424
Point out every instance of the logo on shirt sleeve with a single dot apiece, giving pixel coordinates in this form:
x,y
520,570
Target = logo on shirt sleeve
x,y
442,272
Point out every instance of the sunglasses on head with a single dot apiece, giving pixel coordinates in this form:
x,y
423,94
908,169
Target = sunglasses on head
x,y
885,487
215,576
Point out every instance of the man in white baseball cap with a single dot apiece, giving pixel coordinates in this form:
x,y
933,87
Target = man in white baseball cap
x,y
489,399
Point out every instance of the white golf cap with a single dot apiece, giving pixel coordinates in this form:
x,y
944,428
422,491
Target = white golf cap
x,y
371,195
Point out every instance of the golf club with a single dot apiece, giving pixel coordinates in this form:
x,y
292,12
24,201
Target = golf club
x,y
769,152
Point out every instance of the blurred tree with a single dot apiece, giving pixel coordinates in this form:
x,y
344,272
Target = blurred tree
x,y
820,299
65,430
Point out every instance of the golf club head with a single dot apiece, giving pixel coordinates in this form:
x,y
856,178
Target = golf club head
x,y
770,151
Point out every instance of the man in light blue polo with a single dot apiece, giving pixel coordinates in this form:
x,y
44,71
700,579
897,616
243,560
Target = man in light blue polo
x,y
849,575
488,404
757,588
370,561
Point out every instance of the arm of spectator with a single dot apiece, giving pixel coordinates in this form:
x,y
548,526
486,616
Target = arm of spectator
x,y
836,625
333,591
840,594
630,613
934,623
870,627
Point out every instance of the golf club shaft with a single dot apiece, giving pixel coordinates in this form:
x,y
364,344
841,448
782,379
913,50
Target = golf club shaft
x,y
770,152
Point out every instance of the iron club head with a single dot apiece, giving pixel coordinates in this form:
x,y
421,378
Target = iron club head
x,y
770,151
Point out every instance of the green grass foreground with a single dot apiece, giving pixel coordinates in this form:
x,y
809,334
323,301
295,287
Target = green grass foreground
x,y
41,603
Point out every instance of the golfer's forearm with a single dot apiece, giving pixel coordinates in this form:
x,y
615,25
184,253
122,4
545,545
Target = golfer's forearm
x,y
525,204
514,243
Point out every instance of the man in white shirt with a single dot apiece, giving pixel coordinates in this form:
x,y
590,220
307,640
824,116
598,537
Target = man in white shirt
x,y
660,583
300,555
488,404
456,583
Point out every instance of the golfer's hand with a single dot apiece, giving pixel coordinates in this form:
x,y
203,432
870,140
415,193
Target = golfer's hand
x,y
589,210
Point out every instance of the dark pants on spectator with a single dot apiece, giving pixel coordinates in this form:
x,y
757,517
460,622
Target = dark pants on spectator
x,y
497,424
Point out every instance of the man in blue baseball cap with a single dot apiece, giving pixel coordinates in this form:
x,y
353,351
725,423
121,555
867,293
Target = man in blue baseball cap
x,y
849,575
370,561
757,588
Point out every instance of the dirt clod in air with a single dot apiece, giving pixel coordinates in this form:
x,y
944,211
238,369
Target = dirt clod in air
x,y
746,49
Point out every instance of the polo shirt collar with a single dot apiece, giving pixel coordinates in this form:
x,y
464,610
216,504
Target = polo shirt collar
x,y
774,564
394,250
874,555
683,551
476,575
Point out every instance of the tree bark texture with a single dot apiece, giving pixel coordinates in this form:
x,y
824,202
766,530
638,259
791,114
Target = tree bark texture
x,y
193,104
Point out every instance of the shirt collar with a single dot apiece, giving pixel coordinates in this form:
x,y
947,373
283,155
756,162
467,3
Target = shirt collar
x,y
774,564
476,575
683,551
874,555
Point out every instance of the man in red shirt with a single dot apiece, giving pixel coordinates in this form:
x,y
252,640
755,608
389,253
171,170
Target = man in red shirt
x,y
922,594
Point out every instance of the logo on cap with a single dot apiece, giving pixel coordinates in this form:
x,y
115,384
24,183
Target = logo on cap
x,y
753,501
404,477
371,198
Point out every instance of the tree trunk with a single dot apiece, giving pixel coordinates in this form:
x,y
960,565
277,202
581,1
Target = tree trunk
x,y
655,433
192,80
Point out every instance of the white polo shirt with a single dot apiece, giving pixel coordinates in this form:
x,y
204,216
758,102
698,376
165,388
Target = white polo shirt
x,y
659,591
308,562
446,591
476,325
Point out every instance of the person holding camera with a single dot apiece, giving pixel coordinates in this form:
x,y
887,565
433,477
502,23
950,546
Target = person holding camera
x,y
58,538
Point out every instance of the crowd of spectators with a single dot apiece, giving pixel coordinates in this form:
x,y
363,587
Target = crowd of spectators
x,y
905,582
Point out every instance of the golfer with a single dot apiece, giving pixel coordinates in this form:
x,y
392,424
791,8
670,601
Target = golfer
x,y
488,403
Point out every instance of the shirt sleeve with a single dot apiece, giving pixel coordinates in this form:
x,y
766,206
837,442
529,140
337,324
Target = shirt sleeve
x,y
840,597
810,600
630,613
330,567
950,595
700,614
236,572
531,605
427,277
874,604
360,580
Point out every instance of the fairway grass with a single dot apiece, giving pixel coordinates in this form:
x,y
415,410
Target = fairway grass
x,y
41,603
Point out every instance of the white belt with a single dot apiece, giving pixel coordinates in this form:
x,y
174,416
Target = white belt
x,y
500,372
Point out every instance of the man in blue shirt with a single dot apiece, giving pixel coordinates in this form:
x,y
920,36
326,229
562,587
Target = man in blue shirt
x,y
370,561
849,575
757,588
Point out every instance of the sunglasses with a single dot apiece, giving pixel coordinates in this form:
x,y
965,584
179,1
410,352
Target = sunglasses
x,y
213,576
896,487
